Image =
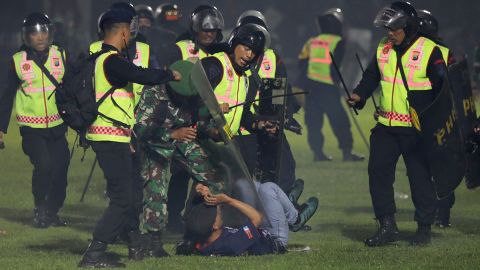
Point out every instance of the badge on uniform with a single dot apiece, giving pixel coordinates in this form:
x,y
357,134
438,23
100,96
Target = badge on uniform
x,y
26,67
56,62
230,73
266,66
247,231
386,49
415,55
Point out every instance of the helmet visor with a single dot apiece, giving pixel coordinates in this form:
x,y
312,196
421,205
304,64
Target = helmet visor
x,y
207,20
39,35
391,19
134,27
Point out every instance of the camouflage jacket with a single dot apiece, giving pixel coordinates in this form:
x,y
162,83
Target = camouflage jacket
x,y
156,117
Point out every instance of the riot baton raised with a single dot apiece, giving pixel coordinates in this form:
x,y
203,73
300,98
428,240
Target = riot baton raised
x,y
88,180
363,71
341,79
269,97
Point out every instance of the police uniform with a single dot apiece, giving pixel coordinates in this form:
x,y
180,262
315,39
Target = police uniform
x,y
394,135
41,127
324,97
111,142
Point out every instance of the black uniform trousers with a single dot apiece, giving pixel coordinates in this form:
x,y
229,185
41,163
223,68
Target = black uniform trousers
x,y
48,151
123,190
325,99
386,146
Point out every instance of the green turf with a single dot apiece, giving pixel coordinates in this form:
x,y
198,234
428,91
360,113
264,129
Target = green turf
x,y
343,220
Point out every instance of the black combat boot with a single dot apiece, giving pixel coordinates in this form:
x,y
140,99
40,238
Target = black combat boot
x,y
40,218
442,218
55,220
422,236
348,155
386,233
137,245
155,248
94,257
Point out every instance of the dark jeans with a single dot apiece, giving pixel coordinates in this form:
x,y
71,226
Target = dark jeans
x,y
325,99
115,160
385,149
50,157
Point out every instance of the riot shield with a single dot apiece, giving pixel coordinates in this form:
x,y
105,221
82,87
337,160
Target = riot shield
x,y
465,106
226,154
441,134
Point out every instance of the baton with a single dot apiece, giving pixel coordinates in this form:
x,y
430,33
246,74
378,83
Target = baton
x,y
343,82
363,71
88,180
73,147
269,97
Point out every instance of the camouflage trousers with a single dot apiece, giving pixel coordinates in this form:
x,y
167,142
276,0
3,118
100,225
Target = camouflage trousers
x,y
154,171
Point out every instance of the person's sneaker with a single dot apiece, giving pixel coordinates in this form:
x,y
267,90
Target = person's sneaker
x,y
185,247
296,191
322,157
40,218
442,218
351,156
422,236
307,210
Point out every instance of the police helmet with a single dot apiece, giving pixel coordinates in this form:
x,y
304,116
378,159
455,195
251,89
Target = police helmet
x,y
128,7
206,18
428,23
252,16
331,21
37,23
254,36
398,15
145,11
167,13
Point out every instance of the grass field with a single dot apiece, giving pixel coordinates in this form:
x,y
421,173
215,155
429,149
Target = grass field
x,y
343,220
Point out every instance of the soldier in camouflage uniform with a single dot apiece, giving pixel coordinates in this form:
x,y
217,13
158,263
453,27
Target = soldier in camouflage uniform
x,y
165,130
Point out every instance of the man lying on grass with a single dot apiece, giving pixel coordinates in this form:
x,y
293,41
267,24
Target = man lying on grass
x,y
259,235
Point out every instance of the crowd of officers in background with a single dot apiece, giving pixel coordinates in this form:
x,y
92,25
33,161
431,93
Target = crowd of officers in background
x,y
162,125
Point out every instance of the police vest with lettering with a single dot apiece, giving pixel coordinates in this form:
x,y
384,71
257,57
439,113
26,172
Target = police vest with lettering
x,y
319,60
141,59
119,106
187,48
394,105
232,89
35,101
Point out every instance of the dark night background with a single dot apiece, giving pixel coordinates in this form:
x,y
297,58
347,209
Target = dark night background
x,y
291,23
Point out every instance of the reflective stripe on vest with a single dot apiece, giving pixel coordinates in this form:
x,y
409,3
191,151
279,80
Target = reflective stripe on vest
x,y
319,60
103,129
394,106
187,48
141,59
35,102
232,89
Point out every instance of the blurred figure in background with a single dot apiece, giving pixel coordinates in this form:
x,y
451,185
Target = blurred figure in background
x,y
319,77
168,18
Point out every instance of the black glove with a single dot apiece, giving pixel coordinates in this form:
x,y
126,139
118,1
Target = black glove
x,y
292,125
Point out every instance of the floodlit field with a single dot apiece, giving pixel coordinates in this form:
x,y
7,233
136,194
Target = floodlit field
x,y
343,220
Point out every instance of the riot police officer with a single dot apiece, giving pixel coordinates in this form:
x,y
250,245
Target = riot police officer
x,y
110,137
35,71
168,17
403,51
206,25
319,78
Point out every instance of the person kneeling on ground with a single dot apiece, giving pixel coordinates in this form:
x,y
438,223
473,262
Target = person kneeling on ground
x,y
259,235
